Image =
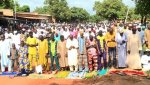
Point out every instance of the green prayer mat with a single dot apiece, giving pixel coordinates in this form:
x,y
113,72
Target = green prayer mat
x,y
62,74
91,74
40,76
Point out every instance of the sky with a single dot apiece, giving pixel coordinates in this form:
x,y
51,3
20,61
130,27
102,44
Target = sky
x,y
86,4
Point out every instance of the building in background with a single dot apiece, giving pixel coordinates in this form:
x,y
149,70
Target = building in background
x,y
7,18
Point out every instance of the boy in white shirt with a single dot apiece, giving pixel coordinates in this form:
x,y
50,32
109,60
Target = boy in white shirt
x,y
145,61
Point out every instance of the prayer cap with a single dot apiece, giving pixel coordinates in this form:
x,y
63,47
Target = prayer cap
x,y
121,31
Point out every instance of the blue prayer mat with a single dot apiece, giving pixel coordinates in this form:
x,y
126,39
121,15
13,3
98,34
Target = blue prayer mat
x,y
102,72
8,73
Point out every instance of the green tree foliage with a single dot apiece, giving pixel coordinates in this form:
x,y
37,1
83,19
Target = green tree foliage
x,y
110,9
79,14
6,4
58,9
9,4
143,8
42,10
95,18
24,8
133,15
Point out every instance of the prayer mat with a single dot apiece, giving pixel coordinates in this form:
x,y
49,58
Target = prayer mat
x,y
41,76
114,72
91,74
102,72
76,75
128,72
134,72
62,74
8,73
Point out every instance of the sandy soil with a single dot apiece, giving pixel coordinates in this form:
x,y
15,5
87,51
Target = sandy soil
x,y
117,80
105,80
27,81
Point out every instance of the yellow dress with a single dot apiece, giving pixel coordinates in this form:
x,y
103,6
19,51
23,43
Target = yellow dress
x,y
42,51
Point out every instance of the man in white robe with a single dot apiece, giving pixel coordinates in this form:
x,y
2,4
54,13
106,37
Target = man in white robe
x,y
72,46
5,46
121,40
66,34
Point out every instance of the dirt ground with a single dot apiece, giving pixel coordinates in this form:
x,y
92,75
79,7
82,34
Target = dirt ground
x,y
105,80
117,80
27,81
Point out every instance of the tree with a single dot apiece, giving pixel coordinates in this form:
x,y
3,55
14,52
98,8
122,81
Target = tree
x,y
24,8
6,4
133,15
58,9
79,14
95,18
42,10
110,9
143,8
9,4
61,12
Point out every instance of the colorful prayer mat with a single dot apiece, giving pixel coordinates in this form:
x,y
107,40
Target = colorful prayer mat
x,y
91,74
62,74
76,75
8,73
41,76
102,72
127,72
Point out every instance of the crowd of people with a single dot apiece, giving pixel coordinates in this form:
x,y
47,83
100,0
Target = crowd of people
x,y
88,47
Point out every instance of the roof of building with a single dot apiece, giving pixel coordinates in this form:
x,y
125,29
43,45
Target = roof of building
x,y
26,15
7,12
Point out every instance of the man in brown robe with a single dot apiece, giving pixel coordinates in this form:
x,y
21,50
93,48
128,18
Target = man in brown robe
x,y
133,47
147,37
62,53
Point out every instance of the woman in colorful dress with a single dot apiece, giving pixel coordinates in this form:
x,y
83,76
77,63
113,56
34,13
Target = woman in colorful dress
x,y
92,54
23,60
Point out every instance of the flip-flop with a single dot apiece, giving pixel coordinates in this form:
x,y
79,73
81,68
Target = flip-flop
x,y
11,77
148,77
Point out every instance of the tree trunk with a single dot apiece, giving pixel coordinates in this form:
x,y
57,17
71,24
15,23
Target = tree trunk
x,y
145,18
142,19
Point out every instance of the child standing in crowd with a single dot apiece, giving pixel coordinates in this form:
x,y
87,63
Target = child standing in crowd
x,y
53,53
14,57
145,60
